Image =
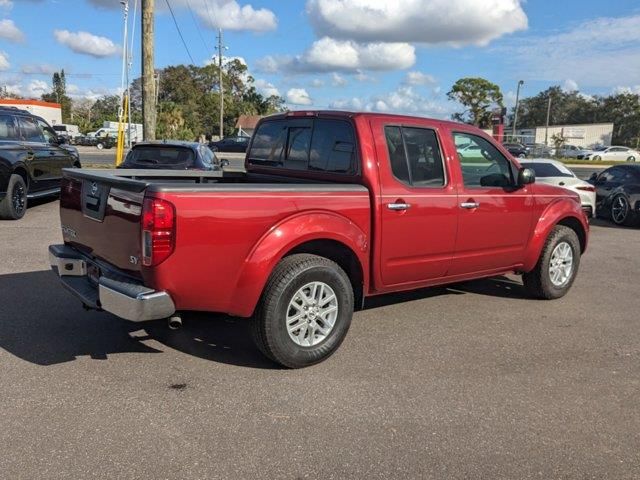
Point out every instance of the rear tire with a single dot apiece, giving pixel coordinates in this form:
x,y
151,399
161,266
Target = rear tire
x,y
557,266
305,311
597,158
14,205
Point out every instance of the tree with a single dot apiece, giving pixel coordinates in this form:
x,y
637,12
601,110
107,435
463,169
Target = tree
x,y
480,96
189,99
59,95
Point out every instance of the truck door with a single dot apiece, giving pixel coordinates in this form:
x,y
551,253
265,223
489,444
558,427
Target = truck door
x,y
38,158
418,204
495,216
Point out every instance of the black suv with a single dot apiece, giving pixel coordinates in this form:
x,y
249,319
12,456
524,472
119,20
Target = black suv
x,y
32,157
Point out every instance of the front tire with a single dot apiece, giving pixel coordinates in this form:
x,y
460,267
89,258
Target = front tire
x,y
14,204
557,266
305,311
631,159
597,158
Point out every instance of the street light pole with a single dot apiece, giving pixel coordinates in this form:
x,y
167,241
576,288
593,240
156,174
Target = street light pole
x,y
220,48
546,130
515,115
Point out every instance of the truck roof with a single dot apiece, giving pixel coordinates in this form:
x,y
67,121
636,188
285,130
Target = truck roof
x,y
352,114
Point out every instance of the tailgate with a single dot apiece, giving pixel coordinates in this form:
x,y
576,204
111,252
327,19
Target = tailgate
x,y
100,216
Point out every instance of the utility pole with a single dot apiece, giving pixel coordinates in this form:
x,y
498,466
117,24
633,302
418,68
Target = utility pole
x,y
148,71
515,115
220,50
546,130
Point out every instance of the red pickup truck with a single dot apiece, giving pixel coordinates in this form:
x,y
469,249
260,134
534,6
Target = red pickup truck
x,y
334,207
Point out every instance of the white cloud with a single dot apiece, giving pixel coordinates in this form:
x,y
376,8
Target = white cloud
x,y
635,89
317,83
226,14
36,88
454,22
338,80
330,55
9,31
87,43
266,88
298,96
419,78
43,68
7,4
570,85
4,61
602,51
403,100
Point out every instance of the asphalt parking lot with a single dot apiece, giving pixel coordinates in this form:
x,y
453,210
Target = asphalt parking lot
x,y
471,381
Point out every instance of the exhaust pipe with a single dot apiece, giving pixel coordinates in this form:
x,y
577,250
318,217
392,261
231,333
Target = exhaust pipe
x,y
175,323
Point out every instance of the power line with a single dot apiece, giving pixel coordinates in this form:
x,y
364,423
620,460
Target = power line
x,y
179,32
193,17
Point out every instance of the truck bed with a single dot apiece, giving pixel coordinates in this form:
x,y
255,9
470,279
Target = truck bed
x,y
222,220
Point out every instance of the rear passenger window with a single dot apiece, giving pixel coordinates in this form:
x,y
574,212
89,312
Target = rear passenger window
x,y
8,128
321,145
414,155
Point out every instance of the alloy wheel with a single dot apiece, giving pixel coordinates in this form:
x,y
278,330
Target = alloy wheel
x,y
561,264
19,198
619,209
312,314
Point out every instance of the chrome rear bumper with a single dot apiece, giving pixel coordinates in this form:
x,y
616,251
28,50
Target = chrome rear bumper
x,y
127,300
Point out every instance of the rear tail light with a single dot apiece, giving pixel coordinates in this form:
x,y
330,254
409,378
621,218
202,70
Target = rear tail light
x,y
587,188
158,231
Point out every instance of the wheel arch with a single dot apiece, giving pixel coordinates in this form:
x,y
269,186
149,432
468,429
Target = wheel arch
x,y
325,234
23,172
564,212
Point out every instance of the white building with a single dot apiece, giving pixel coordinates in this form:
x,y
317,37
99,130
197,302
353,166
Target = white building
x,y
585,135
51,112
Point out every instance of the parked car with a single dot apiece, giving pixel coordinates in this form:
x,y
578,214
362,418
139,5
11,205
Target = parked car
x,y
617,154
171,155
237,144
618,194
516,149
69,132
32,157
98,142
553,172
570,151
334,207
540,150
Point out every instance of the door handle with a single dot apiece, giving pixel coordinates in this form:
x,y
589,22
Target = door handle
x,y
469,205
398,206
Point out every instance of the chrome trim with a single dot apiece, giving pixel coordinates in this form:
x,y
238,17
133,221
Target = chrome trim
x,y
68,267
398,206
144,306
469,205
137,305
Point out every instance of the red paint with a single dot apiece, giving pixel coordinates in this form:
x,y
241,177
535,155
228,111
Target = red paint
x,y
228,243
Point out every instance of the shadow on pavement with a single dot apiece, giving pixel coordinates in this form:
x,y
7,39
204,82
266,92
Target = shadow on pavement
x,y
599,222
494,287
42,323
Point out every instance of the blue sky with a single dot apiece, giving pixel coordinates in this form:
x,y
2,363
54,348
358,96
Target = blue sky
x,y
358,54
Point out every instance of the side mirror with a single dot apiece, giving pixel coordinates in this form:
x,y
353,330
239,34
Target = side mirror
x,y
593,178
526,176
61,140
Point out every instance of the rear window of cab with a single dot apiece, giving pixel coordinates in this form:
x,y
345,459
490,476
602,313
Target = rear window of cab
x,y
321,145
